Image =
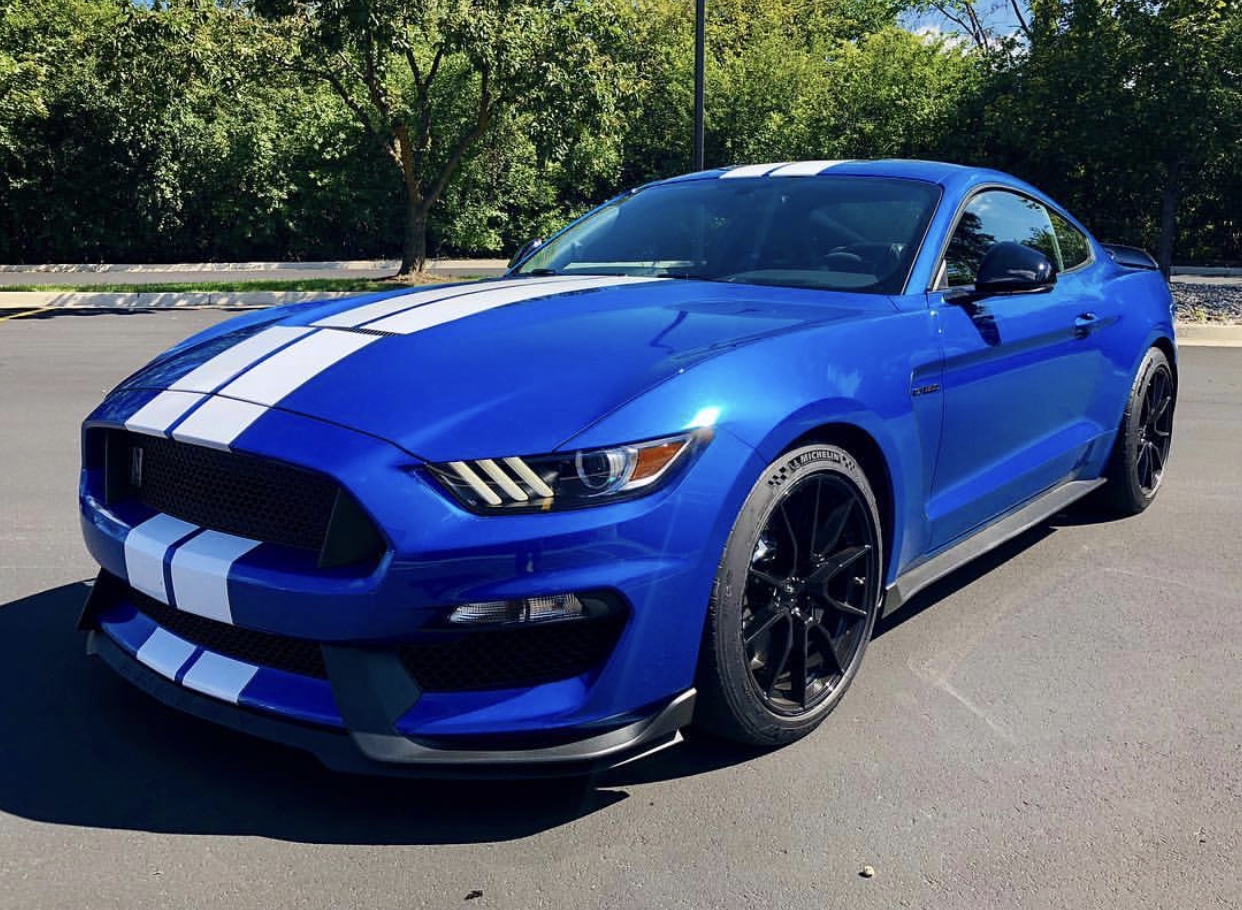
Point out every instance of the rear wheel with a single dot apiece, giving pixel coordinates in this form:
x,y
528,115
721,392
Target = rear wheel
x,y
795,600
1136,470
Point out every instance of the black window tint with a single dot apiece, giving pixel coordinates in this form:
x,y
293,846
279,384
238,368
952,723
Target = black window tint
x,y
989,218
1074,247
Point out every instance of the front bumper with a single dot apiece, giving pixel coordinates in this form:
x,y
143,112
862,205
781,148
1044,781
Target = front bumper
x,y
657,556
392,755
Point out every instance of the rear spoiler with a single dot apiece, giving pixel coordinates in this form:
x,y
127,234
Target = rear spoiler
x,y
1130,257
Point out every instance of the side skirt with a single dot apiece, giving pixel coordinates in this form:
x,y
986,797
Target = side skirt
x,y
915,579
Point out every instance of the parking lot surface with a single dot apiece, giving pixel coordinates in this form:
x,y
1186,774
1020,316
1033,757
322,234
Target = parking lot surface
x,y
1057,726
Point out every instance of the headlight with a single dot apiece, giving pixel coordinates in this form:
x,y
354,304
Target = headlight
x,y
568,480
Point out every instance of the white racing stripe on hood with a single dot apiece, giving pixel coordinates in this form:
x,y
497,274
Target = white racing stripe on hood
x,y
378,309
296,365
166,408
303,353
161,412
422,318
217,423
211,374
222,419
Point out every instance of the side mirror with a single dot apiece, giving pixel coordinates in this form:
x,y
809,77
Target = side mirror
x,y
525,250
1011,268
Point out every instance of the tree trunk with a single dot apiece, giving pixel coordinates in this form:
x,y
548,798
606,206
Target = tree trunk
x,y
1168,217
414,244
417,205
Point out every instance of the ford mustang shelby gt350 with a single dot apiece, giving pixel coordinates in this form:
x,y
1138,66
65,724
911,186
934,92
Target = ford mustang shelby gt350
x,y
671,467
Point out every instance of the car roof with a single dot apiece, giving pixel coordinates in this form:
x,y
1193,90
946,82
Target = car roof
x,y
938,172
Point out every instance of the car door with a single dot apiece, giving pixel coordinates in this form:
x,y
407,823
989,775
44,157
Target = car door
x,y
1020,373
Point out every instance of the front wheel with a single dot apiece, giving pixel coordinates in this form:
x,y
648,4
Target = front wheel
x,y
1136,469
795,600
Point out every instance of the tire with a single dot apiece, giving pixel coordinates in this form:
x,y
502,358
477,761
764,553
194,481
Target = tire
x,y
1135,470
796,597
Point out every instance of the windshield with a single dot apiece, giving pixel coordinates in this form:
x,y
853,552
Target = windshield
x,y
835,233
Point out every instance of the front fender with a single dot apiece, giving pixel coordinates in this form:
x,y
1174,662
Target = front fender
x,y
772,393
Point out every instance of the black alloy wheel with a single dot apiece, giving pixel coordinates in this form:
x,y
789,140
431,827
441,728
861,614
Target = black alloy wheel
x,y
1155,429
1141,453
812,576
795,601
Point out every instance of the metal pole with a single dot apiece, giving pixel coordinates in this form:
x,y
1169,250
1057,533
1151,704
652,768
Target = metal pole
x,y
700,16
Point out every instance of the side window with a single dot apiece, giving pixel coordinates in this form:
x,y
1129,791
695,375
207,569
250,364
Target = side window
x,y
993,216
1074,247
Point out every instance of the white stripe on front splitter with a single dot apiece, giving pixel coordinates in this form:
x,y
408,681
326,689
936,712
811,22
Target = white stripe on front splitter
x,y
200,573
211,374
387,307
422,318
751,170
217,423
219,676
804,168
145,547
161,412
165,653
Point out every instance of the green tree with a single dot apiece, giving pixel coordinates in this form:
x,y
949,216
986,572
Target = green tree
x,y
1121,108
427,79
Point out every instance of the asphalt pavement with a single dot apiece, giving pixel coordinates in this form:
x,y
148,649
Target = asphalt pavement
x,y
1059,726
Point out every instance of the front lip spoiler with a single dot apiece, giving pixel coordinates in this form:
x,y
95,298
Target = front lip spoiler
x,y
394,755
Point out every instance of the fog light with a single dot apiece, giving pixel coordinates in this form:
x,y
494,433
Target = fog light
x,y
526,609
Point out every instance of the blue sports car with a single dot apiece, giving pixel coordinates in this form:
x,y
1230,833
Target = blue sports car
x,y
670,468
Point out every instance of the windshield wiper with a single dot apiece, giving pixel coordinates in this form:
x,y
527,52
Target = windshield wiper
x,y
685,276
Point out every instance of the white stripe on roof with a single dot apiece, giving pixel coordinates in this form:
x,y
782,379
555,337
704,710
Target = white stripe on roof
x,y
805,168
751,170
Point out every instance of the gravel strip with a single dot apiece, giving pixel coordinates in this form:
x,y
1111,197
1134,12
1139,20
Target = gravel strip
x,y
1208,303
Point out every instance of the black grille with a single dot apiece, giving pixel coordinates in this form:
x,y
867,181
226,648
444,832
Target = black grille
x,y
294,655
512,657
228,491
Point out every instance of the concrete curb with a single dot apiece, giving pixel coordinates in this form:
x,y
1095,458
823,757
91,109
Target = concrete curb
x,y
1193,334
342,265
1205,271
88,300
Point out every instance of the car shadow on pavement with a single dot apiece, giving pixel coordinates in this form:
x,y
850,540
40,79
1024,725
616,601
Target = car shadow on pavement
x,y
82,747
44,313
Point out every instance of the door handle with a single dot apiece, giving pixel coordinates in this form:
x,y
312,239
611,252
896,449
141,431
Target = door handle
x,y
1085,324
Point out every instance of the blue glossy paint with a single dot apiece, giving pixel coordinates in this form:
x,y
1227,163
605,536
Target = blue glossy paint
x,y
1011,403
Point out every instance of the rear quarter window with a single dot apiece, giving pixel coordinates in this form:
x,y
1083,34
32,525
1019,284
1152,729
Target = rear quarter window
x,y
1075,250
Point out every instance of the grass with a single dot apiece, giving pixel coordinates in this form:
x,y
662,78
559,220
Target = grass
x,y
184,287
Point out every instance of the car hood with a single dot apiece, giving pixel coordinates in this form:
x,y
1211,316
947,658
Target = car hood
x,y
509,367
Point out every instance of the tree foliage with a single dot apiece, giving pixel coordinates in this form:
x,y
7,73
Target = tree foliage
x,y
255,129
